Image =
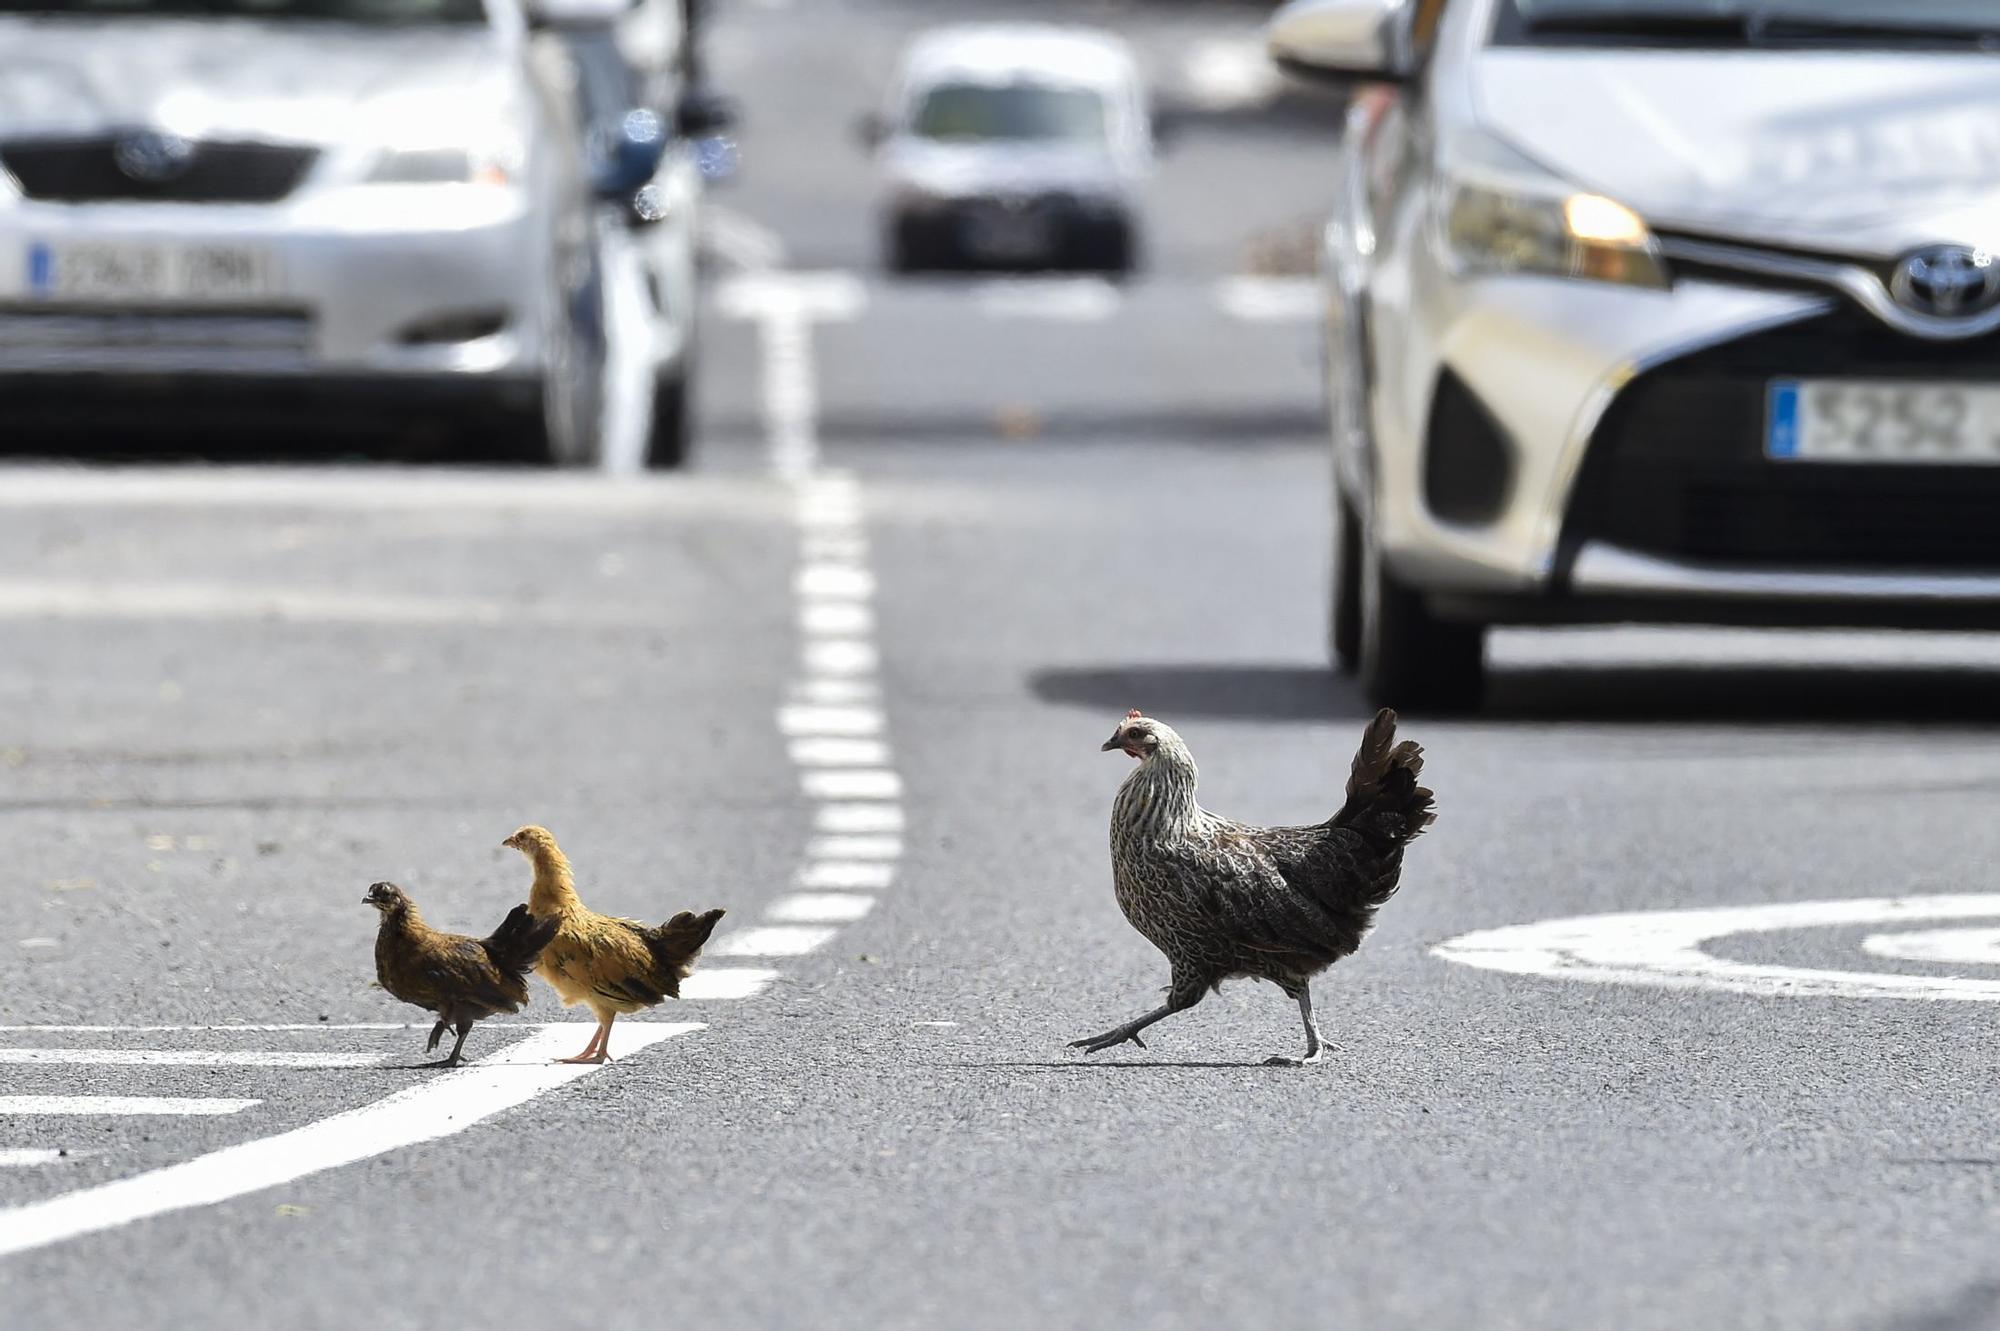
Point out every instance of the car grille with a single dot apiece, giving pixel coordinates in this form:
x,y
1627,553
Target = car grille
x,y
89,171
1677,466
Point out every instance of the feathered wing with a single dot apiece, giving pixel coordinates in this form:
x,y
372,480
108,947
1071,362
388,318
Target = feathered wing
x,y
1242,893
628,964
517,944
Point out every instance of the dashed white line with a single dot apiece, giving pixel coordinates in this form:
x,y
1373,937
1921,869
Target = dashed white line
x,y
821,907
17,1157
771,940
837,618
438,1106
859,818
865,875
843,783
835,582
831,752
835,692
725,983
842,656
1269,299
829,720
855,848
190,1058
12,1105
1063,299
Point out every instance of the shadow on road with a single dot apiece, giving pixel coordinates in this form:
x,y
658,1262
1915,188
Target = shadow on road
x,y
1257,1064
1864,696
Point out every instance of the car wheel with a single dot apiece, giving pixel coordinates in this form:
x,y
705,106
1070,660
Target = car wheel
x,y
916,247
667,441
1408,657
1110,249
1344,612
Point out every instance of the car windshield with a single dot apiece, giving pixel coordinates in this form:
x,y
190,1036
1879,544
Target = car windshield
x,y
1955,24
386,12
966,112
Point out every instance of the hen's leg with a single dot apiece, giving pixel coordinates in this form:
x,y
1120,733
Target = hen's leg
x,y
451,1060
437,1033
594,1051
1183,994
1303,994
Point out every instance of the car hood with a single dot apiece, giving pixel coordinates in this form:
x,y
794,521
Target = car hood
x,y
957,168
1871,153
284,81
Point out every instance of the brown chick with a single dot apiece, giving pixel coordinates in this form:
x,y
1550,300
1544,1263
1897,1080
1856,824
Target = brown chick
x,y
608,964
461,979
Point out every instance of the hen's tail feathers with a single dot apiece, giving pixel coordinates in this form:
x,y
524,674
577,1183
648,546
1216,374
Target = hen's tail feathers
x,y
519,940
1384,801
678,942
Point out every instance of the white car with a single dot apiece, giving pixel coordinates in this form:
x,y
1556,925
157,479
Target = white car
x,y
312,205
1013,146
1657,310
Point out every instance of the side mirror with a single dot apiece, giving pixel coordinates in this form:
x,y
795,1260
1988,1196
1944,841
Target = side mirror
x,y
703,114
575,13
871,130
626,155
1342,40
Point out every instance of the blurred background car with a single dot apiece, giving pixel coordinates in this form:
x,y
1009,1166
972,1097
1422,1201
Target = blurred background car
x,y
652,138
1645,310
376,206
1013,146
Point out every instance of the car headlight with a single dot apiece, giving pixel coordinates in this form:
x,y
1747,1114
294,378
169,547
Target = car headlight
x,y
1497,212
442,166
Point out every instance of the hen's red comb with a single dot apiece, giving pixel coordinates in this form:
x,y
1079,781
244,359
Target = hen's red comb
x,y
1134,714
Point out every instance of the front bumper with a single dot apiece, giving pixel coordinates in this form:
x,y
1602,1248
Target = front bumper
x,y
1631,481
1007,227
419,282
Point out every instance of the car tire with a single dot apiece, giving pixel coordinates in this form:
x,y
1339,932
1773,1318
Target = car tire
x,y
915,246
1407,656
671,433
1110,249
1344,608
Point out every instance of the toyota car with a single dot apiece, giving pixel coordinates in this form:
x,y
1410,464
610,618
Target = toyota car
x,y
298,205
1667,310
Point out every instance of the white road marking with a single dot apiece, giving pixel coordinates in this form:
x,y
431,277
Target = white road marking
x,y
1269,299
838,618
1227,72
232,1029
836,692
831,296
190,1058
842,656
376,489
18,1157
831,752
820,907
40,599
198,1105
1068,299
848,875
829,720
739,240
835,582
713,984
437,1105
855,848
1946,947
776,940
851,783
859,818
1665,948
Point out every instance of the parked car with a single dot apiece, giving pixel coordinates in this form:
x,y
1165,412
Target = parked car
x,y
1656,310
648,123
365,205
1013,146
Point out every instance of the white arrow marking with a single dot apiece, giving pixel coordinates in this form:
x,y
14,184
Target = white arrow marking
x,y
1664,949
438,1105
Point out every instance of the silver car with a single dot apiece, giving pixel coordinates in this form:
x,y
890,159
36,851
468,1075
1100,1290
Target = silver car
x,y
1657,310
366,205
1013,146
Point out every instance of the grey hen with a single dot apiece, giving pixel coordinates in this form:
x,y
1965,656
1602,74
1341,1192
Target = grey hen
x,y
1223,899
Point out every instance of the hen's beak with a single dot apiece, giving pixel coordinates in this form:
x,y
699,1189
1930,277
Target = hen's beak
x,y
1110,744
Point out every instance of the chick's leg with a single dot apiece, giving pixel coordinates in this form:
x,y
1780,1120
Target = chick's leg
x,y
594,1051
1302,994
1184,993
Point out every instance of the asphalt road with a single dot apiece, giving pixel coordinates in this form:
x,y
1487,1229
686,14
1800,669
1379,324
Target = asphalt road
x,y
230,698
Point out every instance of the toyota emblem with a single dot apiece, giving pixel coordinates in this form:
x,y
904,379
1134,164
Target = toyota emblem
x,y
1949,281
152,157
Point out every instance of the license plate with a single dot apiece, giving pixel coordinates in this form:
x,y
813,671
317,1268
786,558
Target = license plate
x,y
1883,421
1004,235
92,271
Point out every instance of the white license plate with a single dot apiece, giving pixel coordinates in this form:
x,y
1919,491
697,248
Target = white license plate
x,y
1002,235
1883,421
93,271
